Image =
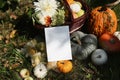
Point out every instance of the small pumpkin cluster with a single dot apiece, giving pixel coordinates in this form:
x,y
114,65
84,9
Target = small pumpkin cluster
x,y
102,39
102,23
83,45
41,68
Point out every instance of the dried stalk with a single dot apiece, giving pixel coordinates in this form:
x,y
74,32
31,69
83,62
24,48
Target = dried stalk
x,y
113,4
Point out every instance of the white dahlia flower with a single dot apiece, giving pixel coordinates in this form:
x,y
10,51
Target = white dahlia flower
x,y
41,18
46,7
49,12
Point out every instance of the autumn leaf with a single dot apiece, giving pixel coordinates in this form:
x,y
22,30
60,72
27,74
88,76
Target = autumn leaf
x,y
12,34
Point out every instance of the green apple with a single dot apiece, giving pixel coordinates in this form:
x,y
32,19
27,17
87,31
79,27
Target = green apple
x,y
80,13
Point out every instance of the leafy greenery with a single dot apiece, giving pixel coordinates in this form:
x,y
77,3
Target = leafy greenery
x,y
59,18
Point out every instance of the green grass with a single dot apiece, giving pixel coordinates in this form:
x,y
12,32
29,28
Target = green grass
x,y
18,17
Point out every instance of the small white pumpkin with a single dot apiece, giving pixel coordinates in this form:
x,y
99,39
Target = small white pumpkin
x,y
99,57
24,73
36,59
117,34
40,71
28,78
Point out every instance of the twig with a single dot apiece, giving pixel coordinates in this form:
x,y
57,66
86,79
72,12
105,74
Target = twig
x,y
113,4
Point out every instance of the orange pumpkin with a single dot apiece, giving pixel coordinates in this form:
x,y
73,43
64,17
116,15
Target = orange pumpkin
x,y
102,20
64,66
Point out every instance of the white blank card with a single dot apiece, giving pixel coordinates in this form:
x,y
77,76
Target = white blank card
x,y
58,43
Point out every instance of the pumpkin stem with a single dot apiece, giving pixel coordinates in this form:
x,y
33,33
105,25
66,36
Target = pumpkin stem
x,y
78,40
104,8
62,63
40,69
113,4
99,56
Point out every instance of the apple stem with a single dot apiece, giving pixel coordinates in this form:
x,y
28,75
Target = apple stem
x,y
112,41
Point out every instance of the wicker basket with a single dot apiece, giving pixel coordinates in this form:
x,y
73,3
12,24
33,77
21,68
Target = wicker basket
x,y
74,24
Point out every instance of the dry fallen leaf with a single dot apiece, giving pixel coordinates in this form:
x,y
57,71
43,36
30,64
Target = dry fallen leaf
x,y
7,37
5,50
1,37
14,43
13,16
12,34
7,41
15,65
6,64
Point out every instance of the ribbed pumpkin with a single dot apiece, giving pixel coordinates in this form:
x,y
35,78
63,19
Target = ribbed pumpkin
x,y
64,66
102,20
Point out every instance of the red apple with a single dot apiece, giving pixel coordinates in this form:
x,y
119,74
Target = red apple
x,y
109,43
